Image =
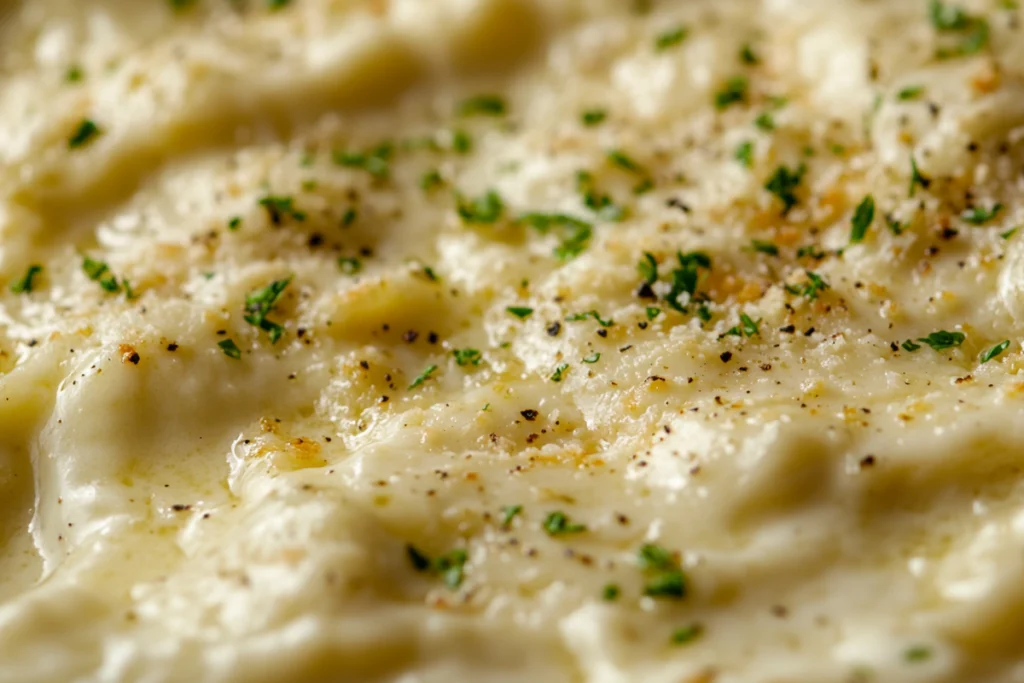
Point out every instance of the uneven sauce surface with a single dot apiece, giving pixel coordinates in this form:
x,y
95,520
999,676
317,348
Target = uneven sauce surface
x,y
497,340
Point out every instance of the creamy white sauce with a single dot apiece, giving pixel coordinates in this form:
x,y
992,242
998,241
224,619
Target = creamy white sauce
x,y
843,507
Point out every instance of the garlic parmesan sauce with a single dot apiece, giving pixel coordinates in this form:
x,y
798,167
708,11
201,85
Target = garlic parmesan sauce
x,y
594,341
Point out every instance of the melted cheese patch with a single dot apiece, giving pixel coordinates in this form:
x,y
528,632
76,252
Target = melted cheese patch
x,y
499,340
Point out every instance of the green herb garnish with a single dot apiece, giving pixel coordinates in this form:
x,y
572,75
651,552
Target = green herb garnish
x,y
917,653
422,377
979,216
24,285
260,302
376,162
487,208
810,289
349,265
910,92
783,184
670,38
556,376
467,356
86,132
557,524
916,178
450,566
745,153
508,513
764,247
687,634
521,312
592,358
648,268
279,207
230,349
483,105
593,117
995,351
733,91
942,340
575,317
862,217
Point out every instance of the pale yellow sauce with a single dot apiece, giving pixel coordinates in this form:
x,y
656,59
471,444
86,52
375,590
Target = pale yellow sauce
x,y
841,500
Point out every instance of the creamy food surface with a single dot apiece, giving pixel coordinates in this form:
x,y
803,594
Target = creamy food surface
x,y
497,340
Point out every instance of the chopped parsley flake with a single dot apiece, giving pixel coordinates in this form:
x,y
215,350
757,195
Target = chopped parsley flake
x,y
611,592
557,524
559,372
670,38
86,132
917,653
765,121
600,204
745,153
575,317
349,265
749,325
862,217
763,247
235,223
462,143
483,105
648,268
450,566
667,577
592,358
375,162
521,312
783,184
995,351
687,634
895,226
97,271
942,340
576,233
748,56
422,377
979,216
260,302
652,312
619,158
733,91
685,278
430,180
349,217
972,33
593,117
1009,233
910,92
230,348
279,207
910,346
487,208
508,513
24,285
467,356
74,74
916,179
810,289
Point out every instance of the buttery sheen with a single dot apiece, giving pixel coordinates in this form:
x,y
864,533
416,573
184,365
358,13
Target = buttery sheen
x,y
843,495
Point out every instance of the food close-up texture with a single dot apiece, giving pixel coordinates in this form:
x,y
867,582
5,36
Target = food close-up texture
x,y
582,341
